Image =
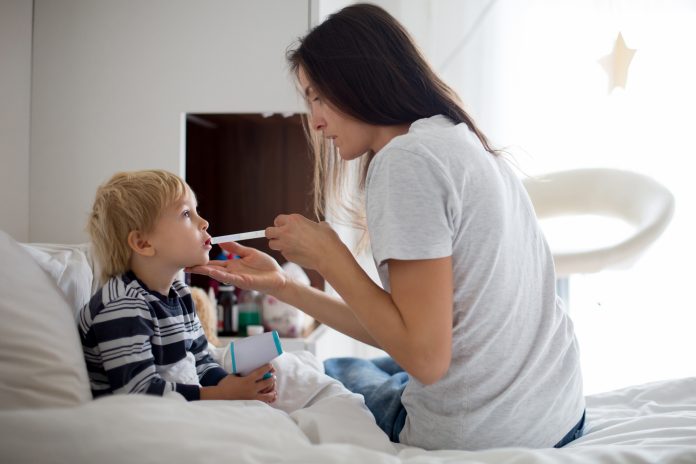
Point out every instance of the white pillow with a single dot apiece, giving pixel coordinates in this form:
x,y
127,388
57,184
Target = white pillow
x,y
71,268
41,361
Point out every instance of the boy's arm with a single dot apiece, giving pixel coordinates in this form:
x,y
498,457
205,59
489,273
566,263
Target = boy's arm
x,y
123,330
209,371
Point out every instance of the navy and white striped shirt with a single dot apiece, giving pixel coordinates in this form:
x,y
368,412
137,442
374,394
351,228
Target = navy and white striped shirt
x,y
138,341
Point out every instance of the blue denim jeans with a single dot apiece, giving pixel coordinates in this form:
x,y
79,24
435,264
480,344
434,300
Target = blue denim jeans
x,y
381,381
575,432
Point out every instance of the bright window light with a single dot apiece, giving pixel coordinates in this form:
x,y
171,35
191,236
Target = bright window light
x,y
531,75
633,325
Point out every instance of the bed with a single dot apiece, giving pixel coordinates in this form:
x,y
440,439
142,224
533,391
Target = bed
x,y
47,414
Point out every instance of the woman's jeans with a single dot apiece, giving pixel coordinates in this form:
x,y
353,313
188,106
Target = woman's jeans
x,y
575,432
382,381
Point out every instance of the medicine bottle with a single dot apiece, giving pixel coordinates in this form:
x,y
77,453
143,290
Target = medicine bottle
x,y
249,310
228,310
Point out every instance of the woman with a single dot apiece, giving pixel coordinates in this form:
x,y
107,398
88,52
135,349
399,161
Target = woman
x,y
482,355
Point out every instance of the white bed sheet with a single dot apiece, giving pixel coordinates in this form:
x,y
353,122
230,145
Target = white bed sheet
x,y
317,420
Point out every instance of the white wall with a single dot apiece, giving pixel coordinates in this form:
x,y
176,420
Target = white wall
x,y
112,79
15,85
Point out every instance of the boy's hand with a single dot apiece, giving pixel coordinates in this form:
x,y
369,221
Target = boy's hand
x,y
249,387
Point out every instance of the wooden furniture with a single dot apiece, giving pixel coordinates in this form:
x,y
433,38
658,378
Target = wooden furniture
x,y
245,170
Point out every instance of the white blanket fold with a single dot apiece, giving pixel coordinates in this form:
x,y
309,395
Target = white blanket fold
x,y
316,420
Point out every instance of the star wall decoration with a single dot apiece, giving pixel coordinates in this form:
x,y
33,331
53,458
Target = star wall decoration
x,y
617,62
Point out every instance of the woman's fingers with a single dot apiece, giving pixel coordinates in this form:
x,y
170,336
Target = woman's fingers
x,y
235,248
224,277
203,270
206,269
285,228
210,263
217,272
280,220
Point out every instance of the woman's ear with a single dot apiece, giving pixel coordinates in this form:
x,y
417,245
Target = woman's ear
x,y
139,243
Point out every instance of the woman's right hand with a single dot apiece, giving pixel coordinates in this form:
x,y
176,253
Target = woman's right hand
x,y
253,270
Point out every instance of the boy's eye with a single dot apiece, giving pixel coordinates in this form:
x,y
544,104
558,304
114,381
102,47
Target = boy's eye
x,y
187,213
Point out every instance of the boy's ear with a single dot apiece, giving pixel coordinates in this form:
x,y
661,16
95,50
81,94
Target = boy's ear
x,y
139,243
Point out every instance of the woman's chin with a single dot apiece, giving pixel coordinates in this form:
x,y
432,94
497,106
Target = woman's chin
x,y
350,155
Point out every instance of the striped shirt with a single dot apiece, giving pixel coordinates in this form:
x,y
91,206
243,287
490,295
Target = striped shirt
x,y
139,341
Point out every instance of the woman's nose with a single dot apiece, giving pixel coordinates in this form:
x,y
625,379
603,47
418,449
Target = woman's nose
x,y
317,122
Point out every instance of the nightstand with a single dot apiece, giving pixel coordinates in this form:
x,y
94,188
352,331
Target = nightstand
x,y
325,342
306,343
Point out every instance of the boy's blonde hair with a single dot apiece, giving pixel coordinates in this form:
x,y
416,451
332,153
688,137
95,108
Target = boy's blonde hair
x,y
128,201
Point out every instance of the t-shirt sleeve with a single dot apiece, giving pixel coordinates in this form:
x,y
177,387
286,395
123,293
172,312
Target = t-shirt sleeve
x,y
411,204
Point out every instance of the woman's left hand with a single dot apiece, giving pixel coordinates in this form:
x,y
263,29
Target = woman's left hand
x,y
253,270
310,244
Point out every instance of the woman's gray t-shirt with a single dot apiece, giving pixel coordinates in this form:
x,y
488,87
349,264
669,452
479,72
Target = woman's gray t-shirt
x,y
514,378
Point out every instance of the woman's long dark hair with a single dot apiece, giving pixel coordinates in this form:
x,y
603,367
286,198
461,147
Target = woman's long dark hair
x,y
365,64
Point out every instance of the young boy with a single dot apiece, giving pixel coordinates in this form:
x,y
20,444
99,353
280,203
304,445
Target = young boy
x,y
140,332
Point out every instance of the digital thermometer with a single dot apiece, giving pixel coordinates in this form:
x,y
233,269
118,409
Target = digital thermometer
x,y
238,237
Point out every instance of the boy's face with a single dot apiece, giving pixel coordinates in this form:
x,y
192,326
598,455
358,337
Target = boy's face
x,y
180,236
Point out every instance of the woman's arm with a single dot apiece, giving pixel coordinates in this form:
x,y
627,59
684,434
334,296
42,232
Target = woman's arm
x,y
327,309
413,323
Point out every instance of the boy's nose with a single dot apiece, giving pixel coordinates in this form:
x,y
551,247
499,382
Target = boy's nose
x,y
204,224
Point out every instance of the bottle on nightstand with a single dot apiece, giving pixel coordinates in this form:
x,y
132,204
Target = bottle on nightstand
x,y
228,311
249,310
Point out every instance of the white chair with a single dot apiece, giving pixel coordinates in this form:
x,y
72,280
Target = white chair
x,y
639,201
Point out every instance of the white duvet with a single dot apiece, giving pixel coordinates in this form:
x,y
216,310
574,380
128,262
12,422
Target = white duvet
x,y
316,420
